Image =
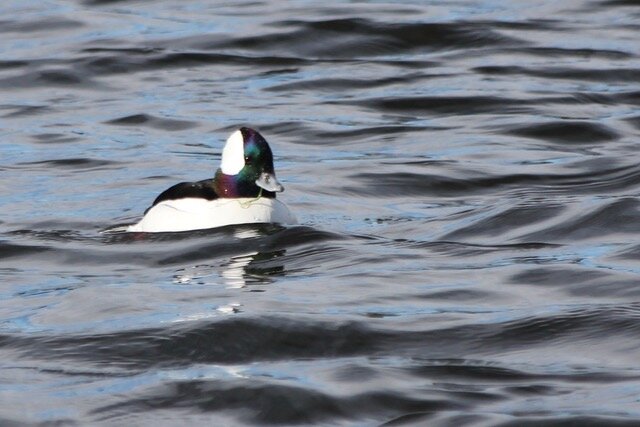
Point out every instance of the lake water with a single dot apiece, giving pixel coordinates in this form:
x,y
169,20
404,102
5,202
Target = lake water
x,y
466,179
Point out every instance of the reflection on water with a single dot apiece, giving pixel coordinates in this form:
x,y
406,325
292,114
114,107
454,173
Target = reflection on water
x,y
235,273
239,270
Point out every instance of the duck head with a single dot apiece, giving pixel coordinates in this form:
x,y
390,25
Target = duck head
x,y
247,166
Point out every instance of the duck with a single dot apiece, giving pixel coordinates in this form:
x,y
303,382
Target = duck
x,y
242,191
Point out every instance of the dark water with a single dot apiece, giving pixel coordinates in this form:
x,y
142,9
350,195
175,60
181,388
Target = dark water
x,y
466,178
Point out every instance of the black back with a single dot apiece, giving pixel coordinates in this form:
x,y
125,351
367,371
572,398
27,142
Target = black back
x,y
200,189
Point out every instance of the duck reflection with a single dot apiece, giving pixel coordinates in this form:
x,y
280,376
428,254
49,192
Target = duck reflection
x,y
234,272
252,268
255,268
254,263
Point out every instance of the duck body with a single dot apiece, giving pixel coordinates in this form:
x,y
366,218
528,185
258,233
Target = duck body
x,y
243,191
194,214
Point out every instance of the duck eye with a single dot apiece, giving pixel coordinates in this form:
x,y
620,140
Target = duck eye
x,y
247,160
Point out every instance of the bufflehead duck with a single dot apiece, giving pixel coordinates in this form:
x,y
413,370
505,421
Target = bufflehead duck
x,y
243,191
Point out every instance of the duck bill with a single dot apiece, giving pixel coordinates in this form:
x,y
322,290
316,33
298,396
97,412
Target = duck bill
x,y
269,182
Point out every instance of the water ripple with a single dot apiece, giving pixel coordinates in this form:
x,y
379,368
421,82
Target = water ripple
x,y
465,180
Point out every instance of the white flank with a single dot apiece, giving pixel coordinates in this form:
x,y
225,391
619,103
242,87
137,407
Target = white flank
x,y
233,154
195,214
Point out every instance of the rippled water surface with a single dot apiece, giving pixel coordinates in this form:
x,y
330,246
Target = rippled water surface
x,y
466,178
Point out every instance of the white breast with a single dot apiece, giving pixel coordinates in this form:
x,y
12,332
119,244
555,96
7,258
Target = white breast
x,y
195,214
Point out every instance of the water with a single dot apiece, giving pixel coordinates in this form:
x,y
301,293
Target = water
x,y
466,179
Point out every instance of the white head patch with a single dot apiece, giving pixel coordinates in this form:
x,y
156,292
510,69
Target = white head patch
x,y
233,154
